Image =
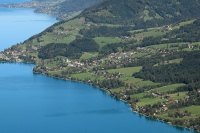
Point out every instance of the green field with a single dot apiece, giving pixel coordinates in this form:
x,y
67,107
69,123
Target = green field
x,y
168,87
171,61
128,71
151,101
139,54
82,76
139,95
127,77
193,109
177,96
102,41
87,55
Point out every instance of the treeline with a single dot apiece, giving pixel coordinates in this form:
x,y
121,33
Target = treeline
x,y
73,50
188,71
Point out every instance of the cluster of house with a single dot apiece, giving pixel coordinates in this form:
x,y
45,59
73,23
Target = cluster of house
x,y
12,55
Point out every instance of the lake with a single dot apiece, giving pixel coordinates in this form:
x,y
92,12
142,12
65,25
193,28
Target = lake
x,y
18,25
34,103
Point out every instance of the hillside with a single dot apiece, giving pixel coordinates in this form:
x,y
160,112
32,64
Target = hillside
x,y
64,9
154,69
142,13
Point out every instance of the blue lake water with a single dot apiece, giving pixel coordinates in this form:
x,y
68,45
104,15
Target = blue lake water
x,y
12,1
32,103
17,25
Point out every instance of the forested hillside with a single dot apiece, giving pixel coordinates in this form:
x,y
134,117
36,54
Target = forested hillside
x,y
75,5
142,12
187,33
64,8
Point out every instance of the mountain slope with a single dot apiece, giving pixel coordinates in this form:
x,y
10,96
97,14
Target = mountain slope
x,y
142,12
64,8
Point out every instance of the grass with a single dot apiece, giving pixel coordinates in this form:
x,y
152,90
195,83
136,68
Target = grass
x,y
51,64
147,17
175,96
127,77
168,87
116,90
193,109
176,60
139,95
82,76
78,23
165,116
151,101
130,80
137,55
54,72
128,71
145,83
102,41
87,55
172,61
167,45
183,23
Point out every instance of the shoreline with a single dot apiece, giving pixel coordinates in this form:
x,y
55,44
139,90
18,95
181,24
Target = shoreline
x,y
122,100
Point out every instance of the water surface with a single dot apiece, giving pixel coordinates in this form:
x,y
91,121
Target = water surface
x,y
17,25
12,1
